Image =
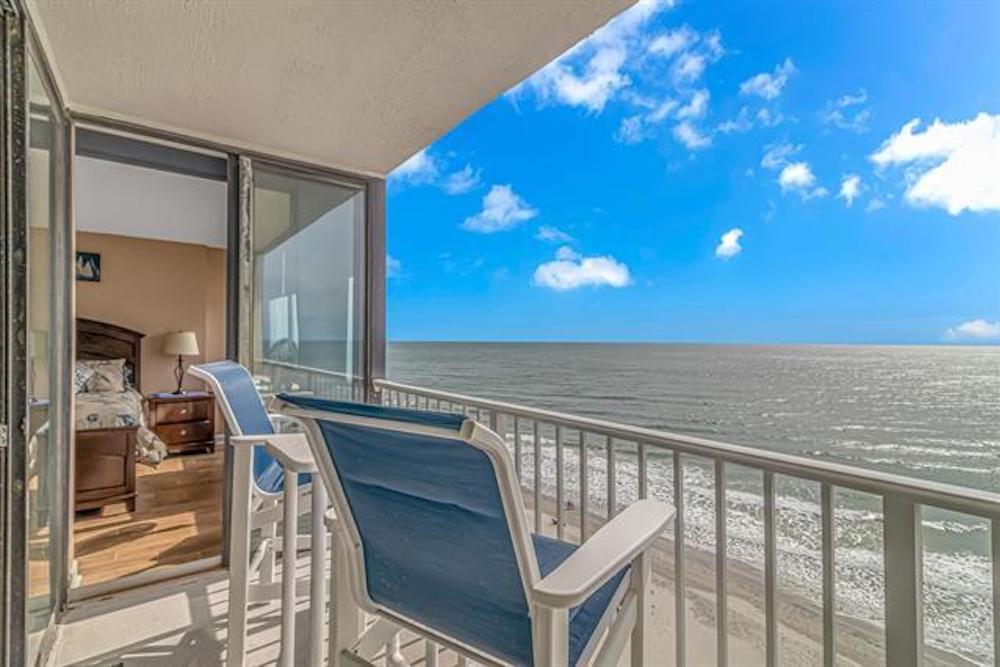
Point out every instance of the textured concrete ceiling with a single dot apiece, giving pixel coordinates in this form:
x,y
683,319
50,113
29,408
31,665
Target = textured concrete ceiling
x,y
361,84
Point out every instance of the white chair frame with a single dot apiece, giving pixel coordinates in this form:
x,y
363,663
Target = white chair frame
x,y
255,508
624,540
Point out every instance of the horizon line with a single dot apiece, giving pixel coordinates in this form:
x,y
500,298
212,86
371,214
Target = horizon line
x,y
969,343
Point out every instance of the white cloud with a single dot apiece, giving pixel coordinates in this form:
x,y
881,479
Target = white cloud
x,y
745,120
847,112
673,42
849,100
688,67
503,209
954,166
798,177
592,73
423,168
768,118
680,56
552,235
691,137
662,110
463,180
978,329
690,52
874,205
850,188
419,169
601,80
697,107
631,130
713,45
778,155
393,267
741,123
729,244
769,85
639,127
569,270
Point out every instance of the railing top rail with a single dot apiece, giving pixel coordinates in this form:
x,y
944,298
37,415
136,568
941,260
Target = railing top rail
x,y
961,499
308,369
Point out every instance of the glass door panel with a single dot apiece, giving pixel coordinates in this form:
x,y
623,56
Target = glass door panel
x,y
41,471
308,284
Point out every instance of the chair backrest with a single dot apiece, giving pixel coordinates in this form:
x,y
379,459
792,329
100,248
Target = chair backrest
x,y
432,503
245,415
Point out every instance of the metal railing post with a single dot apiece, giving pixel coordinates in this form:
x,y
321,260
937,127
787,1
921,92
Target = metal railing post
x,y
770,573
903,587
584,484
721,610
538,477
995,553
641,464
829,575
610,478
560,491
680,605
517,452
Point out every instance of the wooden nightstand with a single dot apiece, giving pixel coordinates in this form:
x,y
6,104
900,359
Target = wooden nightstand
x,y
185,422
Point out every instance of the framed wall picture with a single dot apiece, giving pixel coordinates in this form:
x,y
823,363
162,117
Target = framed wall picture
x,y
88,267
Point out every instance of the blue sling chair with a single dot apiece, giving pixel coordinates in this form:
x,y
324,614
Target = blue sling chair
x,y
430,536
260,499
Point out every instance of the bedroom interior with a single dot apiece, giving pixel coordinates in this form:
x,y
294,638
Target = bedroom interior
x,y
150,290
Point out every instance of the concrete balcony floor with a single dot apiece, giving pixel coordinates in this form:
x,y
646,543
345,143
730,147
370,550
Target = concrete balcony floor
x,y
183,622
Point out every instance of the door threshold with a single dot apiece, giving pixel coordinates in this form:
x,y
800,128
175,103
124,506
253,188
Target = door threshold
x,y
141,579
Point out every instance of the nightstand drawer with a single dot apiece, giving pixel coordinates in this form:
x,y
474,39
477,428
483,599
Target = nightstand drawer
x,y
181,411
174,434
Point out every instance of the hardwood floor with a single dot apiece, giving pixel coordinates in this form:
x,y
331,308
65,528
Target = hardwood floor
x,y
178,519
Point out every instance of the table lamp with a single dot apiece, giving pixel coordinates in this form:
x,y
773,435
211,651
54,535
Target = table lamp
x,y
183,344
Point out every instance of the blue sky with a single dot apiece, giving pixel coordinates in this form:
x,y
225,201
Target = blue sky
x,y
720,172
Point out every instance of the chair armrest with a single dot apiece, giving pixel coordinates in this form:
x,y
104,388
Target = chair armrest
x,y
291,449
278,420
238,440
612,547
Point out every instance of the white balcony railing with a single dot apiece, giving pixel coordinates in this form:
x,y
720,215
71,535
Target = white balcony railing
x,y
628,450
560,456
287,376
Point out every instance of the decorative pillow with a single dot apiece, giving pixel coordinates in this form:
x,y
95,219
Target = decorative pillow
x,y
81,374
108,375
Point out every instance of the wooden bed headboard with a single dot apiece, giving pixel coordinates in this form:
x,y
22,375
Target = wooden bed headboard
x,y
100,340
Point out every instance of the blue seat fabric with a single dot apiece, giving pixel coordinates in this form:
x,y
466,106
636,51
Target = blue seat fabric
x,y
584,619
420,417
251,416
437,546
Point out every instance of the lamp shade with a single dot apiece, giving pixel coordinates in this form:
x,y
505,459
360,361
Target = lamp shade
x,y
180,343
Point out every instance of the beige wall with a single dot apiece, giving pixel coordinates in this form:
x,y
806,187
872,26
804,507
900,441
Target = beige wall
x,y
157,287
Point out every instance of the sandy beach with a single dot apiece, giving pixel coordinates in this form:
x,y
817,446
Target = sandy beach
x,y
859,642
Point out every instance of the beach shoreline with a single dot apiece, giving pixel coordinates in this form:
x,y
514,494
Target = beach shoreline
x,y
859,642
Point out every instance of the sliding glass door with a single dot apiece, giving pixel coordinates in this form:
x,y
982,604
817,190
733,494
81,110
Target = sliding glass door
x,y
12,124
33,348
308,274
42,470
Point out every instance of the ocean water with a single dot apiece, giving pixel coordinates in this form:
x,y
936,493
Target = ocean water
x,y
929,412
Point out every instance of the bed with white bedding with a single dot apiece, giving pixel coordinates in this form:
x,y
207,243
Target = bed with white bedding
x,y
111,409
110,433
